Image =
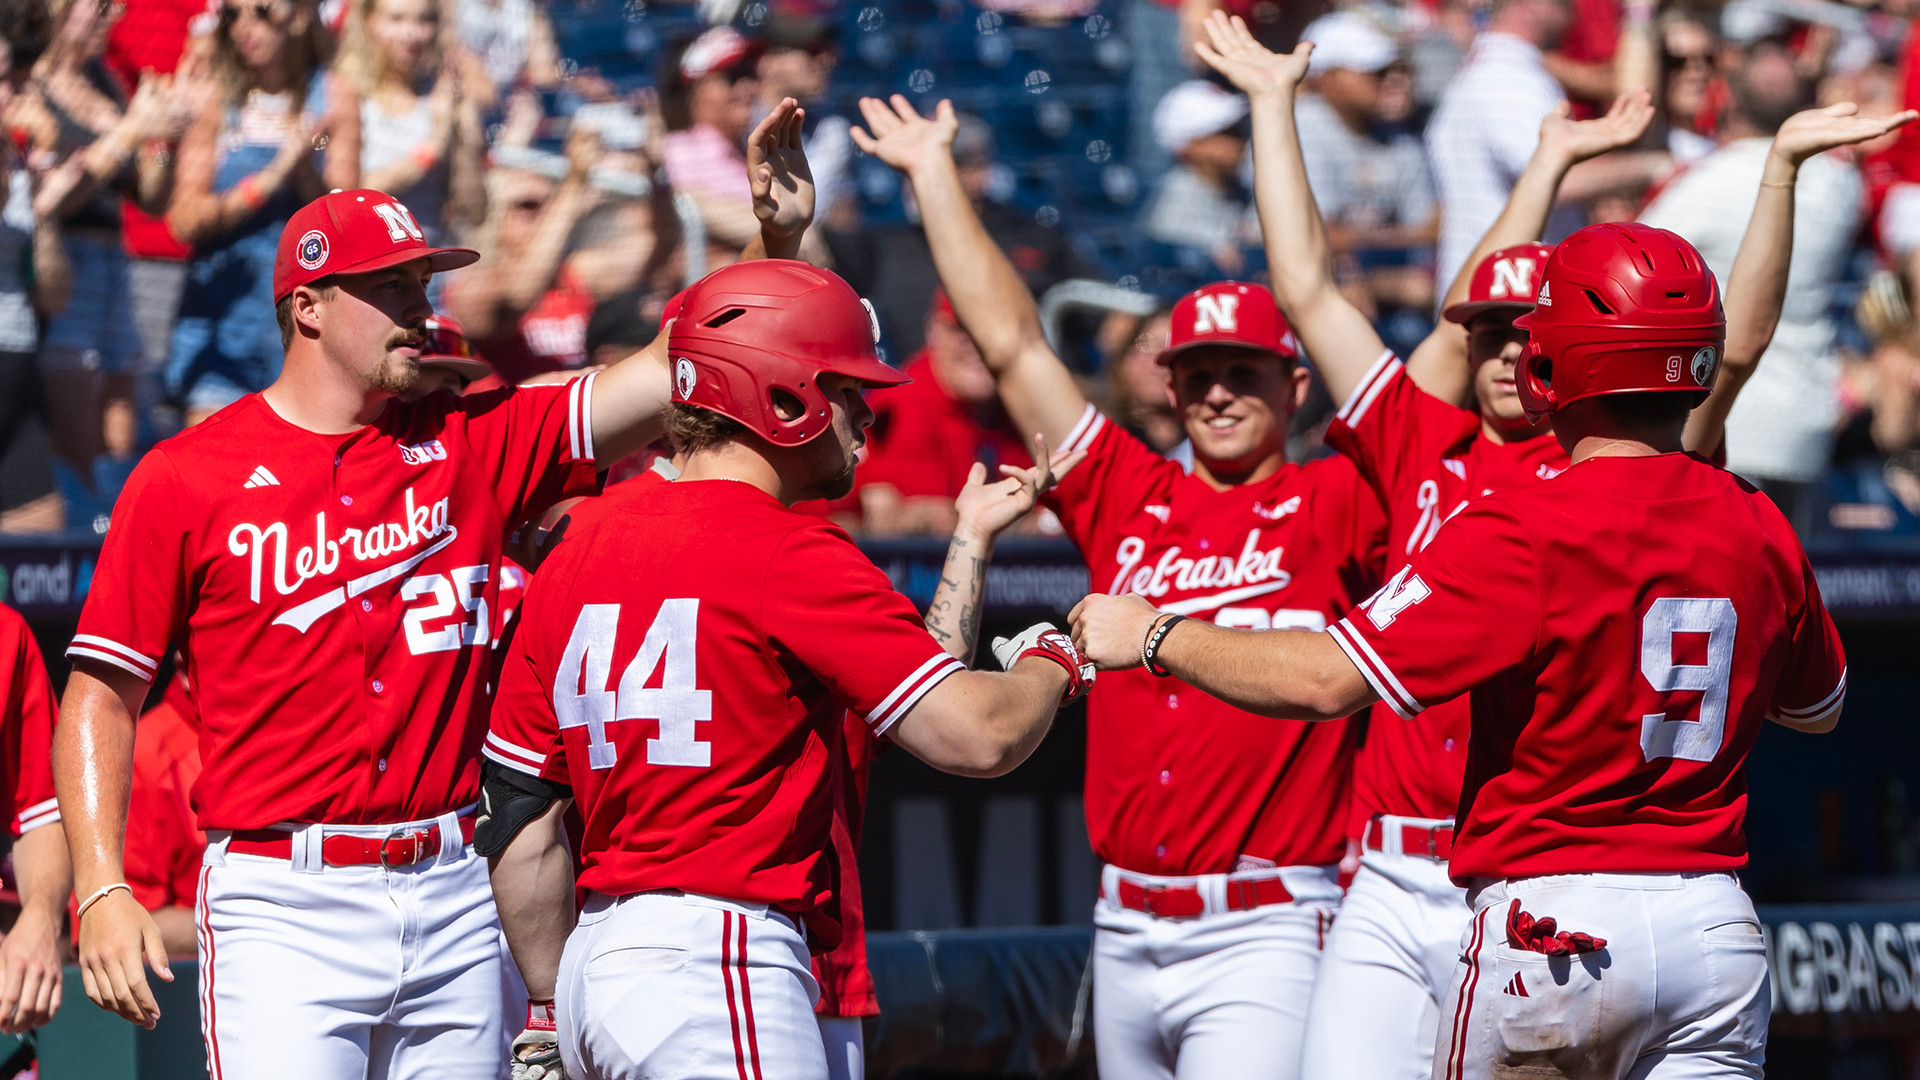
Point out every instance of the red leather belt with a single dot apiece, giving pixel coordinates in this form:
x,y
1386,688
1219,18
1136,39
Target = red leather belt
x,y
1185,901
1434,842
394,850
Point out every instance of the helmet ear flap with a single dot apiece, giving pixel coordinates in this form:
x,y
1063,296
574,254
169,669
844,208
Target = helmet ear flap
x,y
1533,381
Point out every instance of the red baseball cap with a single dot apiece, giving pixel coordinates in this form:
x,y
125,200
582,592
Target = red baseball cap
x,y
1506,279
1229,313
354,232
447,346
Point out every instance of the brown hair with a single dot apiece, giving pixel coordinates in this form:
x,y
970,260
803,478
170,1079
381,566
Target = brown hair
x,y
283,310
692,428
360,62
308,50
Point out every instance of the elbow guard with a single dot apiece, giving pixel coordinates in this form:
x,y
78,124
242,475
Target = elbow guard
x,y
509,799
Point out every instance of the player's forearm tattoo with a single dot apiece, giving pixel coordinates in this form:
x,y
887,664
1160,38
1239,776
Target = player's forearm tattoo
x,y
954,616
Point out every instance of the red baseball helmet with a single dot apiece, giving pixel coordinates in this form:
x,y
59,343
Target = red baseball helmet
x,y
354,232
747,330
447,346
1623,309
1506,279
1229,313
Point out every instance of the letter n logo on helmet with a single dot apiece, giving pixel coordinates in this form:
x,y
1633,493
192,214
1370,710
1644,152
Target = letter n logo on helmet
x,y
1216,313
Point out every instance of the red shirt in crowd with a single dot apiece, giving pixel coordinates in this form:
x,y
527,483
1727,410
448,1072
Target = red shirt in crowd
x,y
735,639
331,594
1624,630
923,441
551,336
150,36
27,712
1179,783
1426,461
163,847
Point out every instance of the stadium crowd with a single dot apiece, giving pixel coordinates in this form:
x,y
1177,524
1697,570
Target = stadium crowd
x,y
157,148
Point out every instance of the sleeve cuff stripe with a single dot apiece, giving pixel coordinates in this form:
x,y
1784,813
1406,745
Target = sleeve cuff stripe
x,y
141,673
1378,378
1373,671
492,755
908,693
513,750
1083,433
1826,705
44,813
580,417
112,646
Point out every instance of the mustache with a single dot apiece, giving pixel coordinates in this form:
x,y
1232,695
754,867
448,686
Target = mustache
x,y
414,337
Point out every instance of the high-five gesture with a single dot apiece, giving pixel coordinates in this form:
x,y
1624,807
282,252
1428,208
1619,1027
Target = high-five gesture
x,y
1578,140
777,169
1231,50
985,510
903,138
1816,131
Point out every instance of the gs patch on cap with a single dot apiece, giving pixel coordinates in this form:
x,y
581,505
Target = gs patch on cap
x,y
312,252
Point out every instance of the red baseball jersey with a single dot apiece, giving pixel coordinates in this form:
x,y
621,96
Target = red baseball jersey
x,y
26,727
737,635
1178,782
846,983
1426,460
332,594
923,442
1624,630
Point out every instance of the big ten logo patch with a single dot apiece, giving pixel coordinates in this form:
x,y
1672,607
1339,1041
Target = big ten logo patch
x,y
422,453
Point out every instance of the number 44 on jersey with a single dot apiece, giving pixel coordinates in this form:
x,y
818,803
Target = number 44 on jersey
x,y
581,697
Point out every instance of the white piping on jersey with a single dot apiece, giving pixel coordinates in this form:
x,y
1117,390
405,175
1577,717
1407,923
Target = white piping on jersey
x,y
302,616
518,758
1377,378
1083,432
1816,713
580,417
1375,672
40,813
911,689
121,654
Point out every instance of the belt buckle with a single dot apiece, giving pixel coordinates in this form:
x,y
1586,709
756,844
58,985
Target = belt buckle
x,y
418,838
1433,845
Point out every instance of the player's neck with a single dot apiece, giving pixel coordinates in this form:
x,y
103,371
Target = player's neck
x,y
1502,434
731,461
313,394
1220,475
1586,429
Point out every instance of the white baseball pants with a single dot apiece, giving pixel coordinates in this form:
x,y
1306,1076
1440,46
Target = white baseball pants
x,y
1679,993
690,987
846,1041
1218,994
312,972
1392,952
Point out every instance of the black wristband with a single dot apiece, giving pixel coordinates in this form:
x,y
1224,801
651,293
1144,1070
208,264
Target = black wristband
x,y
1153,645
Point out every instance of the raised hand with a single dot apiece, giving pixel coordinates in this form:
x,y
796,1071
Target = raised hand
x,y
1816,131
1625,121
986,510
901,137
1256,70
777,170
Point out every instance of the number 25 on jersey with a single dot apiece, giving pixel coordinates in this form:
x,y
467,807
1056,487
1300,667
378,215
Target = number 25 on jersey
x,y
582,698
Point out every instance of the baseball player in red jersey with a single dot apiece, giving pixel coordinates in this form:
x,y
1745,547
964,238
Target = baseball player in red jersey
x,y
1395,945
30,952
326,556
1220,836
734,639
1624,628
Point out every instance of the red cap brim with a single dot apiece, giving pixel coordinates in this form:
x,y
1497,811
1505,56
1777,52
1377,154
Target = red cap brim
x,y
439,260
1464,311
1167,355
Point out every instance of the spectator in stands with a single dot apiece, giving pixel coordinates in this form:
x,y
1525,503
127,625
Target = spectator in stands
x,y
892,266
927,434
707,101
1201,203
164,848
33,284
1688,49
623,323
1879,439
420,134
1488,121
1372,186
1142,396
80,123
1780,432
512,44
524,308
248,162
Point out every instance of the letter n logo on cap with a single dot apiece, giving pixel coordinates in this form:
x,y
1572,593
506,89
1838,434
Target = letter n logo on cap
x,y
400,224
1512,277
1215,314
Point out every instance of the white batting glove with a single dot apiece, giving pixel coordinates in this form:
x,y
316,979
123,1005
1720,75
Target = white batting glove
x,y
1047,640
536,1051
